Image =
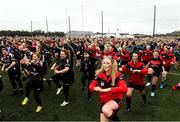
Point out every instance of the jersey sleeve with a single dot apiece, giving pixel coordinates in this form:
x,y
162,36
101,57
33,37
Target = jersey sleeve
x,y
93,84
121,86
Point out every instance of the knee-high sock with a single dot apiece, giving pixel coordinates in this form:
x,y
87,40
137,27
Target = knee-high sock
x,y
128,101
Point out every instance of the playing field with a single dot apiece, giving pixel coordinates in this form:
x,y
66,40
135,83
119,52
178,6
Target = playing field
x,y
165,106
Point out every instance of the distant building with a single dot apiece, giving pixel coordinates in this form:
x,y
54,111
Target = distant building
x,y
125,35
119,35
80,33
110,35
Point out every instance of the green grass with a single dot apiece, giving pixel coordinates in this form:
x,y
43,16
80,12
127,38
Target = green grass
x,y
164,106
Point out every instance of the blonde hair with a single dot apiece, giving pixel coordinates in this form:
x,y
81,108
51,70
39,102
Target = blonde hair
x,y
113,70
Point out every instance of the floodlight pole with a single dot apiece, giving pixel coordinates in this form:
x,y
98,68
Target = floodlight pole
x,y
102,21
82,18
154,22
67,19
69,25
31,26
47,25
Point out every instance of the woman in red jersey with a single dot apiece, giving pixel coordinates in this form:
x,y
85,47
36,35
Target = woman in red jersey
x,y
156,64
111,86
136,72
146,57
168,59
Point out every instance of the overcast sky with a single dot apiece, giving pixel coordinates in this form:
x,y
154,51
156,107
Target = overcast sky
x,y
128,16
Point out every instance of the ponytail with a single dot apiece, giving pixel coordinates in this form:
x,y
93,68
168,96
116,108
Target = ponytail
x,y
114,71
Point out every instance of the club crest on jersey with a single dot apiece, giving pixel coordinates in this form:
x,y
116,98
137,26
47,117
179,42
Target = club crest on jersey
x,y
102,83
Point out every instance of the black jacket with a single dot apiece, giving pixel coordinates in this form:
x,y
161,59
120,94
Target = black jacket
x,y
89,66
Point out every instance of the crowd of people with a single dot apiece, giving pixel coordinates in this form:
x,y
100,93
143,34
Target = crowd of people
x,y
101,61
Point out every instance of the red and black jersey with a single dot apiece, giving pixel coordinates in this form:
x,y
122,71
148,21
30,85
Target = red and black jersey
x,y
161,49
112,53
109,53
156,64
99,54
36,69
167,58
103,81
124,56
135,78
7,61
147,55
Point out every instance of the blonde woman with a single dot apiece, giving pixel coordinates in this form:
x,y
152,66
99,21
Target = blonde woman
x,y
111,86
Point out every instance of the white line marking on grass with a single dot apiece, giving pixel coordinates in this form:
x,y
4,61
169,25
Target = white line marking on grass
x,y
172,73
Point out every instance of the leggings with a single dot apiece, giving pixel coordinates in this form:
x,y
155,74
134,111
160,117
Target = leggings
x,y
83,80
56,79
31,85
15,80
66,92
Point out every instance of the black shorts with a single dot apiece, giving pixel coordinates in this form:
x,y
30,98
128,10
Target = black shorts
x,y
35,83
138,87
65,79
118,101
157,73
